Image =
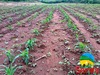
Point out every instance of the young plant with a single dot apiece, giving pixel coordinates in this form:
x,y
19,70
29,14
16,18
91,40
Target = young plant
x,y
69,24
10,27
74,28
18,23
25,56
80,46
9,55
9,70
77,37
94,27
24,14
36,32
31,43
66,16
10,19
48,18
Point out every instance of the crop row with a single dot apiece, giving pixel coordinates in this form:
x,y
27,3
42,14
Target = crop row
x,y
22,12
82,45
22,54
89,24
12,20
92,9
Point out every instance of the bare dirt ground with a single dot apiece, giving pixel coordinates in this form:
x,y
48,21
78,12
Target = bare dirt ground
x,y
50,45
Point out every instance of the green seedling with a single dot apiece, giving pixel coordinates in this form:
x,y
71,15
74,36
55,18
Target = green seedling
x,y
87,20
31,43
48,18
70,24
24,14
25,56
74,28
18,23
10,27
66,16
10,19
9,70
9,55
77,37
36,32
81,46
94,27
35,15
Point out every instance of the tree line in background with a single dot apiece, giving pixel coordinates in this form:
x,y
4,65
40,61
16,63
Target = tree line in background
x,y
56,1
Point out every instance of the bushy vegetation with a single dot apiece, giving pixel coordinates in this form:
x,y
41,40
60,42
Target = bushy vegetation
x,y
57,1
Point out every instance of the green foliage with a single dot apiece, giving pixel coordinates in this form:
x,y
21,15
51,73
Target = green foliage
x,y
77,37
25,55
10,19
56,1
9,27
24,14
81,46
31,43
64,13
36,32
9,70
69,24
48,18
83,18
94,27
18,23
34,16
72,26
9,55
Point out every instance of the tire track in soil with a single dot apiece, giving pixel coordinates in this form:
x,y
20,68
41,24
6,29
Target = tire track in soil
x,y
54,44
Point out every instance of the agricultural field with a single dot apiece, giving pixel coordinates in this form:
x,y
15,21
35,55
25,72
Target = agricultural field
x,y
47,39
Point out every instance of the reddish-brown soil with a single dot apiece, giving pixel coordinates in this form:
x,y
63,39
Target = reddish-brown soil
x,y
87,35
94,20
97,19
51,47
85,32
15,18
50,43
